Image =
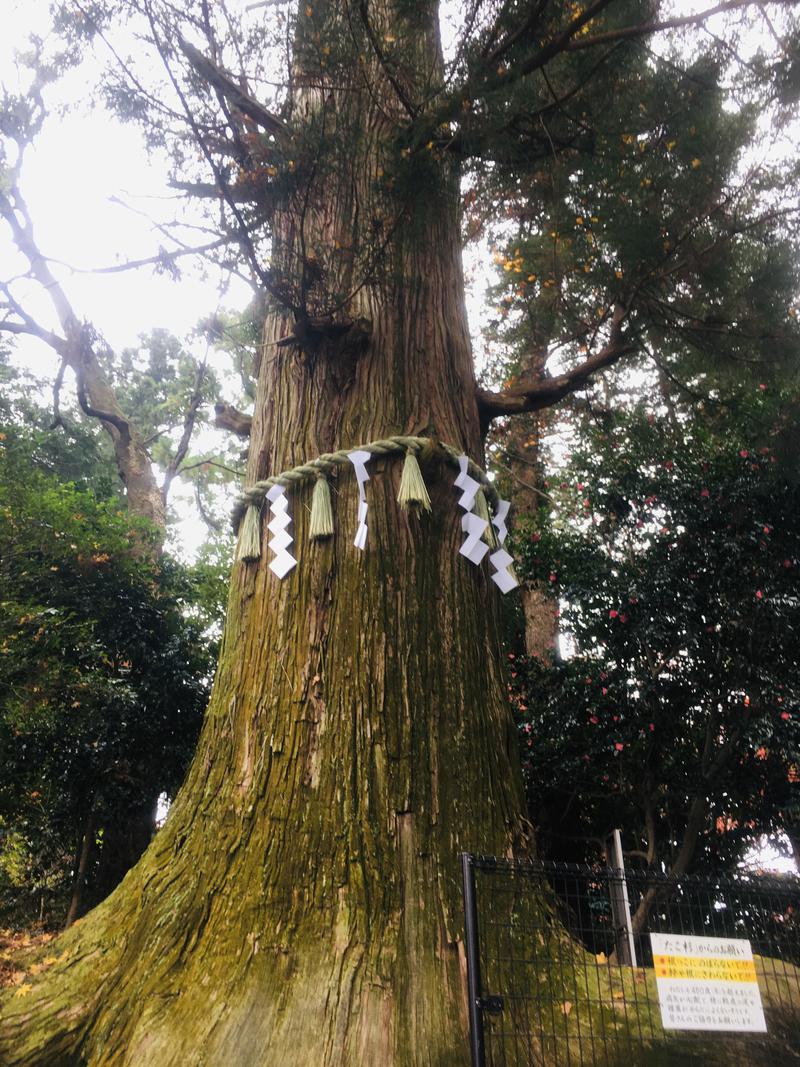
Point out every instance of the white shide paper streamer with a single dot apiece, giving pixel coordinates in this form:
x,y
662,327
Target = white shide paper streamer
x,y
359,459
474,547
503,577
279,506
473,526
468,484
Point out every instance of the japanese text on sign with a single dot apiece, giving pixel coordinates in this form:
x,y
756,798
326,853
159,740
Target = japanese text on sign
x,y
706,983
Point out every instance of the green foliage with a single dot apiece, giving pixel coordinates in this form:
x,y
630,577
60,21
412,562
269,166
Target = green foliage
x,y
103,675
155,383
78,452
674,552
649,199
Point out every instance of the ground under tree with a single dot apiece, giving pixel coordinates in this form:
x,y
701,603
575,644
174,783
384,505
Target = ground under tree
x,y
302,903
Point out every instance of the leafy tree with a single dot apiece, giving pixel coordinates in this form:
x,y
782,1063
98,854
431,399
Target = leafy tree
x,y
302,902
159,383
674,552
673,196
103,680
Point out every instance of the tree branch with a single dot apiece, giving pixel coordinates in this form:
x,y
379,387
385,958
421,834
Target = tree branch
x,y
119,422
548,391
245,236
211,191
221,81
188,429
207,518
227,417
514,35
57,384
33,329
211,463
164,258
553,47
644,29
76,349
408,104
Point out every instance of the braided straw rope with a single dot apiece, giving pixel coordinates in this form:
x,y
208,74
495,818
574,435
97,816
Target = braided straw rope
x,y
328,461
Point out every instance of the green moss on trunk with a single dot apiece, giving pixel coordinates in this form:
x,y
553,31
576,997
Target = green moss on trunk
x,y
302,903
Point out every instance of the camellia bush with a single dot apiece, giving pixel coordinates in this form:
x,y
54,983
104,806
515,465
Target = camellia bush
x,y
674,712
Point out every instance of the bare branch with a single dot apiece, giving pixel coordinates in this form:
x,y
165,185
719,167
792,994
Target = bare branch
x,y
644,29
221,81
210,463
549,391
188,429
27,324
164,258
15,212
32,330
206,516
76,349
227,417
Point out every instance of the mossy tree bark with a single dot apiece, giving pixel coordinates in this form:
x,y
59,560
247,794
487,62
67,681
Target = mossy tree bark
x,y
522,446
302,903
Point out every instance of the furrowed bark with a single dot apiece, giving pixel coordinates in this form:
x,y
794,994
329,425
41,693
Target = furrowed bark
x,y
539,607
302,903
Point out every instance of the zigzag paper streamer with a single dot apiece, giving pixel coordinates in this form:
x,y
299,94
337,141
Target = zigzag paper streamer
x,y
503,577
467,483
499,520
473,548
279,506
359,458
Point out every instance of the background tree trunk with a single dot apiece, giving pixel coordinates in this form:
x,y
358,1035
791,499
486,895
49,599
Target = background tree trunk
x,y
125,838
83,853
522,443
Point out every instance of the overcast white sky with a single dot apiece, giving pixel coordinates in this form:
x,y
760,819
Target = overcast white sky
x,y
74,177
79,165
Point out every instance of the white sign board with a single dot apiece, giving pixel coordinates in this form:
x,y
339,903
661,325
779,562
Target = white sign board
x,y
706,983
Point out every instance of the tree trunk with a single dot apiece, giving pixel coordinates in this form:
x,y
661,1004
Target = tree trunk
x,y
522,444
302,903
695,824
79,882
124,838
95,394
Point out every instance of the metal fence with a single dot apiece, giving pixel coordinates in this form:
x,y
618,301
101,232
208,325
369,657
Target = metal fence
x,y
558,979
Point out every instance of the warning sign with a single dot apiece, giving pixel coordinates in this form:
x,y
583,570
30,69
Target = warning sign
x,y
706,983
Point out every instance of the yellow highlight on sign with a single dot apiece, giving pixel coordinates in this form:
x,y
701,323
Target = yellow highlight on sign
x,y
701,968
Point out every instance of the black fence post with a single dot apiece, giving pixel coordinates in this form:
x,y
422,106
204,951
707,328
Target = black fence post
x,y
473,962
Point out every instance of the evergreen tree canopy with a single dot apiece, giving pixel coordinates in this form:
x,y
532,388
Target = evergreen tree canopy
x,y
674,549
103,674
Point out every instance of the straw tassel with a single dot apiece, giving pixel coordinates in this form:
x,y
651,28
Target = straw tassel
x,y
481,509
249,546
321,525
412,486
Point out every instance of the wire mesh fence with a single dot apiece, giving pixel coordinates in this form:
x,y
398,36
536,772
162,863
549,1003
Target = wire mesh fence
x,y
558,978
